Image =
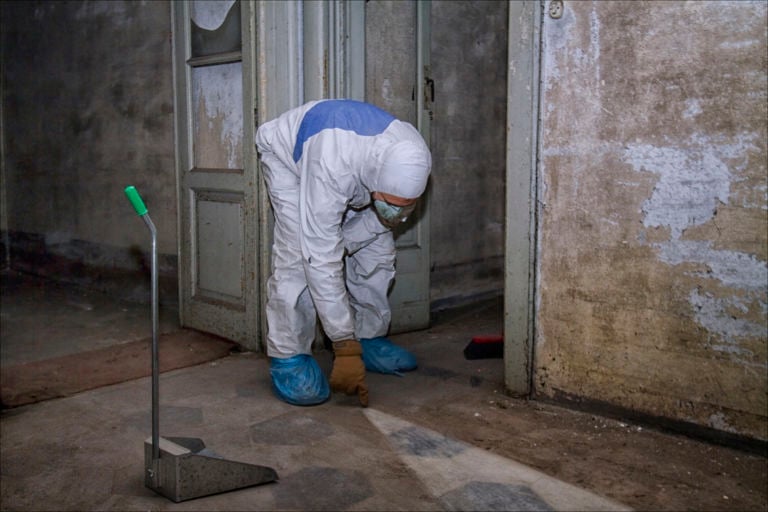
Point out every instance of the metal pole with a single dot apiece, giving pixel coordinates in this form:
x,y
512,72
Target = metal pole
x,y
155,357
141,209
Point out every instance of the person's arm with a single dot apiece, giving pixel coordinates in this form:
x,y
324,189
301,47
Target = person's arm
x,y
322,246
326,187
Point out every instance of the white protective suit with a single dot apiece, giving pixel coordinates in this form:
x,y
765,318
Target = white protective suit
x,y
321,162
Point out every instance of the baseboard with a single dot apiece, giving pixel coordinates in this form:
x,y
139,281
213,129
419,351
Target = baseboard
x,y
668,425
123,273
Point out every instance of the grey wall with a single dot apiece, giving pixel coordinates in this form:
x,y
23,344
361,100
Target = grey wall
x,y
469,62
87,110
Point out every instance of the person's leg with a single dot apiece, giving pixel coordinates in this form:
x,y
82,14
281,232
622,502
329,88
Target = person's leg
x,y
290,311
370,269
296,376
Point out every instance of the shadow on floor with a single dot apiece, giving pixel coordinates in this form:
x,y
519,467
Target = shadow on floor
x,y
59,339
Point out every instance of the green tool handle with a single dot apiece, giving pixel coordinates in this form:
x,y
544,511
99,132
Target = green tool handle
x,y
135,199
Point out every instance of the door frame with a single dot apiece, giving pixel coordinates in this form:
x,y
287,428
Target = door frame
x,y
520,269
278,78
410,294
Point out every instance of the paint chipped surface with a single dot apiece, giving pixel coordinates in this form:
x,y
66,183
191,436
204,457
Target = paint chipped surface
x,y
692,108
653,281
218,101
692,183
692,180
717,315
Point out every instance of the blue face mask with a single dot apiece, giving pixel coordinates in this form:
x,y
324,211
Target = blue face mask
x,y
391,215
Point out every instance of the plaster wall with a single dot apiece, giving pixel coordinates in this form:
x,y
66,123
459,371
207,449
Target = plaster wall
x,y
468,57
653,215
87,110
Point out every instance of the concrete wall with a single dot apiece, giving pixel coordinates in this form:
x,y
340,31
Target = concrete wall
x,y
87,110
652,256
469,54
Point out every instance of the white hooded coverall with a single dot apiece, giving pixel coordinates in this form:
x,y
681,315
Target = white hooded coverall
x,y
321,162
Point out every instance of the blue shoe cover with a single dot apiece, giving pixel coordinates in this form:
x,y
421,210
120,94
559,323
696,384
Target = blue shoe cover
x,y
382,356
298,380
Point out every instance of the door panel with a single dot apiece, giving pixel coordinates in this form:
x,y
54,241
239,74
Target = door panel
x,y
218,218
397,66
217,117
219,246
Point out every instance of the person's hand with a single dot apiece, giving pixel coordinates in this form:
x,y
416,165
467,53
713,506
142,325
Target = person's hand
x,y
348,374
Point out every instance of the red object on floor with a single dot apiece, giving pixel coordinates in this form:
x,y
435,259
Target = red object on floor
x,y
495,338
485,347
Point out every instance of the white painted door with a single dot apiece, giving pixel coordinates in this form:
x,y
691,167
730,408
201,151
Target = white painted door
x,y
379,52
215,103
398,80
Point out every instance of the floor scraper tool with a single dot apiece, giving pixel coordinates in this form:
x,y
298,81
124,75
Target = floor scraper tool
x,y
182,468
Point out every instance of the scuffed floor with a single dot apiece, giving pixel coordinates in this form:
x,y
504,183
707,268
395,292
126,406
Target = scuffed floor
x,y
444,437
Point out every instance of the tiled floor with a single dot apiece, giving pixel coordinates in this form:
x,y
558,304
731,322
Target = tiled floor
x,y
444,437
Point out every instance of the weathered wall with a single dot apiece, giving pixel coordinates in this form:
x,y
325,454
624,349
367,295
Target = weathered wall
x,y
653,225
468,57
87,110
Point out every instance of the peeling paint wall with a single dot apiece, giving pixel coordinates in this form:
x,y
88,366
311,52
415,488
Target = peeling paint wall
x,y
653,214
217,102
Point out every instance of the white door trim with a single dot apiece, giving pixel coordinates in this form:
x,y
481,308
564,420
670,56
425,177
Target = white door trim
x,y
522,158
